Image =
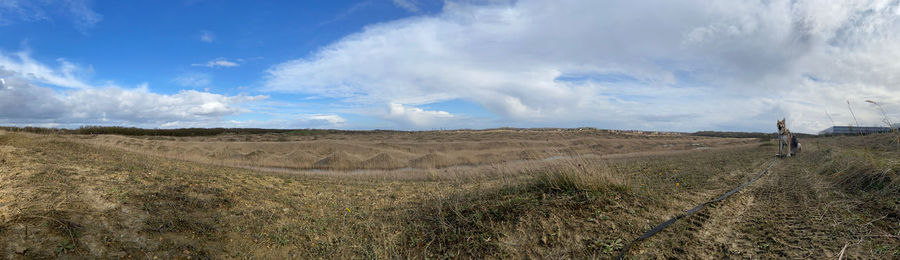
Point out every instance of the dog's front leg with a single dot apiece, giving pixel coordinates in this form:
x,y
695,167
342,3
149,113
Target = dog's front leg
x,y
780,145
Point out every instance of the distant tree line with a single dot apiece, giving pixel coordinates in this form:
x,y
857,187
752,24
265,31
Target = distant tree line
x,y
735,134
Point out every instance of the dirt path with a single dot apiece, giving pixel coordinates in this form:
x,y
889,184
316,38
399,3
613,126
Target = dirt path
x,y
779,217
782,215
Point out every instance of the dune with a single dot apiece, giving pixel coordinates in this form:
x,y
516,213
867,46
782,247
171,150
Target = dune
x,y
337,161
383,161
300,159
431,160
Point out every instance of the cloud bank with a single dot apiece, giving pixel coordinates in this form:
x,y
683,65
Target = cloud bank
x,y
24,101
674,65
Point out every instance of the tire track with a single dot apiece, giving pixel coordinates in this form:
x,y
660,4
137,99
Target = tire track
x,y
770,219
781,224
696,217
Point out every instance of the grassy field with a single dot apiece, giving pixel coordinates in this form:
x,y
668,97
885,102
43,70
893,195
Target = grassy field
x,y
502,193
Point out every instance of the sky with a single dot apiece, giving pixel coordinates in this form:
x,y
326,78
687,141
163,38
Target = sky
x,y
425,64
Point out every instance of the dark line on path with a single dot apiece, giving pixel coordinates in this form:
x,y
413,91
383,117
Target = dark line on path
x,y
693,210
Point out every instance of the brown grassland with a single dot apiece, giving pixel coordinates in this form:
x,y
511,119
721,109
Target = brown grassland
x,y
503,193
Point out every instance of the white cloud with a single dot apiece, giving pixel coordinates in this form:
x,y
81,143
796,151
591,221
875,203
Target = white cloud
x,y
408,5
66,75
331,119
12,11
193,79
79,11
415,116
22,102
84,17
220,62
687,65
141,105
320,121
207,36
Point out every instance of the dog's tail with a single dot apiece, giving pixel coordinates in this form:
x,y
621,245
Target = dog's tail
x,y
795,143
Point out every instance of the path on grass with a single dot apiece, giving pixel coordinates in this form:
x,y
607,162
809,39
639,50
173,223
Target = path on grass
x,y
785,214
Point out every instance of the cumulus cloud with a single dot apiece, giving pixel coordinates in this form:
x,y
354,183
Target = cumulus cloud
x,y
78,11
220,62
621,64
415,116
23,102
141,105
20,100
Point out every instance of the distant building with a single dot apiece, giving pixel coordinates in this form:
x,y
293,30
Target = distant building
x,y
850,130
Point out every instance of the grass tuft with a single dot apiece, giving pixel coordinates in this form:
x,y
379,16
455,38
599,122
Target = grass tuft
x,y
864,170
575,175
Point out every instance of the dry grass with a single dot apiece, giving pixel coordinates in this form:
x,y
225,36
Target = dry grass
x,y
491,194
424,150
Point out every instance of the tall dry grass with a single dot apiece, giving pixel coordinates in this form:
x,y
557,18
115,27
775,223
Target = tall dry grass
x,y
576,175
885,119
864,170
142,202
399,150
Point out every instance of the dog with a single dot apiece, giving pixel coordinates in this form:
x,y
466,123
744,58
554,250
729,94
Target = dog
x,y
785,138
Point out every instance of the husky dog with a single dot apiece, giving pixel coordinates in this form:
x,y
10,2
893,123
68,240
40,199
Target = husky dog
x,y
786,139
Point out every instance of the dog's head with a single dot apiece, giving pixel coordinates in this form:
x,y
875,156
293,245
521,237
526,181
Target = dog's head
x,y
781,125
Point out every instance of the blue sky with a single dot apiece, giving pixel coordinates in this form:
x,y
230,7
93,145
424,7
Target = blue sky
x,y
150,41
422,64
